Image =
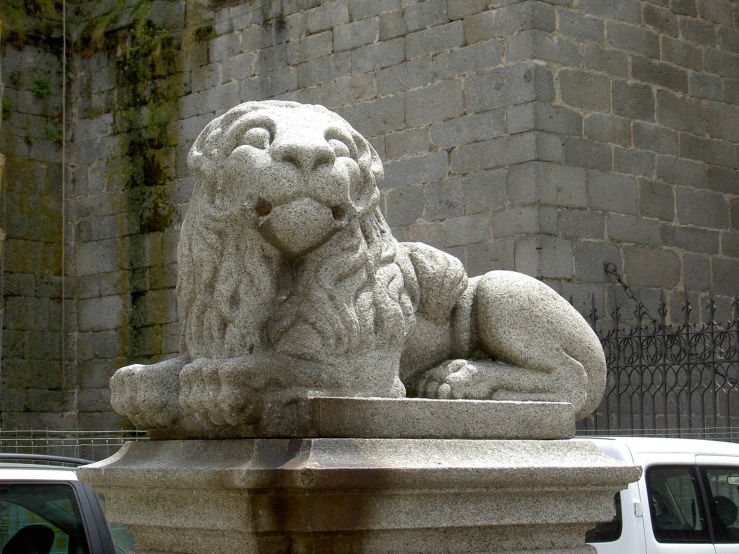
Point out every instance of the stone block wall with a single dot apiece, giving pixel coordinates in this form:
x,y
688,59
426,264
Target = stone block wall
x,y
125,222
548,137
35,381
644,113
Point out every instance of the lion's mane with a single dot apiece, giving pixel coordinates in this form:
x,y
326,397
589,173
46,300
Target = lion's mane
x,y
238,293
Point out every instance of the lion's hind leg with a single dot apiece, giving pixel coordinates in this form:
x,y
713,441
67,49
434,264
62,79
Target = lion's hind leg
x,y
523,322
496,380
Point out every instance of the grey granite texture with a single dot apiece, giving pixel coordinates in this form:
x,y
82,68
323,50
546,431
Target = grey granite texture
x,y
359,495
293,286
405,418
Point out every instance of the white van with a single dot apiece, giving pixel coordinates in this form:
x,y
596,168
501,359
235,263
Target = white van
x,y
685,501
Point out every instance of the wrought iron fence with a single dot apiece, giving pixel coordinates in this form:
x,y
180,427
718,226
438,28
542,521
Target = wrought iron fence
x,y
664,379
90,445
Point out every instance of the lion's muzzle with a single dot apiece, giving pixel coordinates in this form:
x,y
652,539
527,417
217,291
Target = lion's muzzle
x,y
300,226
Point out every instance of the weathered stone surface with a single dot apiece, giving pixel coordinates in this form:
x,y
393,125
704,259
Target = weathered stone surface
x,y
484,191
509,20
547,257
625,10
681,172
540,45
661,20
604,128
633,100
581,26
612,193
585,153
650,267
497,152
613,62
417,170
681,113
633,161
590,257
635,230
581,224
659,73
655,138
682,53
582,89
489,256
630,37
547,183
506,86
700,32
702,208
434,103
656,200
690,239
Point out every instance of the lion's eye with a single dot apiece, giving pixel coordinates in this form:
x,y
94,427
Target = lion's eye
x,y
341,150
258,137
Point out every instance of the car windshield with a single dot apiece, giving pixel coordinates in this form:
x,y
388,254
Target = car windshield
x,y
42,518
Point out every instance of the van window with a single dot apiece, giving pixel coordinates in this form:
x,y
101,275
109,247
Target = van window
x,y
723,500
676,505
608,531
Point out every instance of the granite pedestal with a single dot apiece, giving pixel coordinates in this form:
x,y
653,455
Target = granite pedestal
x,y
371,495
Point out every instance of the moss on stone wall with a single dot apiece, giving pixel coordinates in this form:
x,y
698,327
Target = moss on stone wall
x,y
146,44
147,56
123,213
37,22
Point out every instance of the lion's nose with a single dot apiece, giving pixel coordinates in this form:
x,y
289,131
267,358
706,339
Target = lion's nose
x,y
304,155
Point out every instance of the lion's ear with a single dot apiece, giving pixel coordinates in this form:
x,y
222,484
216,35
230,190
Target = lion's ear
x,y
204,160
367,194
376,166
368,158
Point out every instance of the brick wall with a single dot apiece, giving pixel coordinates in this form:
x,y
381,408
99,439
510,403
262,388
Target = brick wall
x,y
546,137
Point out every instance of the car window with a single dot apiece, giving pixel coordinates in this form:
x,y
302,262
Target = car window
x,y
41,518
608,531
676,505
122,539
723,493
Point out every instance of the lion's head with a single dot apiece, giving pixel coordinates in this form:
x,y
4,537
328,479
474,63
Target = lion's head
x,y
284,247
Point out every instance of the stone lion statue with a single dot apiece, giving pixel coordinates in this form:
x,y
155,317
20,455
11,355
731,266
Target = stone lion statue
x,y
292,284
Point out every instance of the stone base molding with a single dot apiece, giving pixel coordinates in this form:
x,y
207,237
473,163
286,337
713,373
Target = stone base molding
x,y
371,495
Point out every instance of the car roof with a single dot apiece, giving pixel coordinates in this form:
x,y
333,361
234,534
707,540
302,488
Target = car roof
x,y
17,466
659,445
35,472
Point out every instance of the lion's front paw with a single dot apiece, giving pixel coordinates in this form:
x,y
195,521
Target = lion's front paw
x,y
457,379
221,392
147,394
